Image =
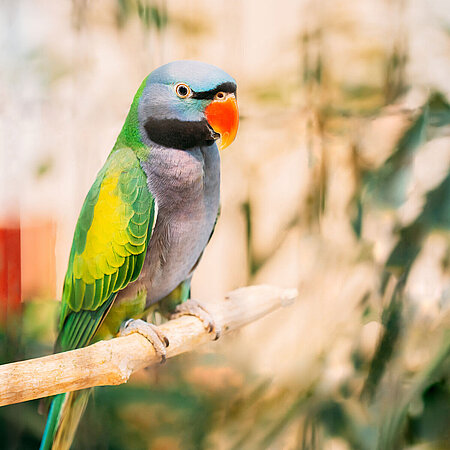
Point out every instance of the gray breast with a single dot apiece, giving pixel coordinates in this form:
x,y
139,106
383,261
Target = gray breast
x,y
186,186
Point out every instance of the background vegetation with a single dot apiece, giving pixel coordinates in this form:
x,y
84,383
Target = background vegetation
x,y
338,183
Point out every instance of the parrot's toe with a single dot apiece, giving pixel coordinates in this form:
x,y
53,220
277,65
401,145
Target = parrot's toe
x,y
194,308
151,332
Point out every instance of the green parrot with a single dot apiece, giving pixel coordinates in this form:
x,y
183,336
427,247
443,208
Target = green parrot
x,y
146,220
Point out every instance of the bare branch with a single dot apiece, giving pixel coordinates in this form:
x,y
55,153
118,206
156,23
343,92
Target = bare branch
x,y
112,362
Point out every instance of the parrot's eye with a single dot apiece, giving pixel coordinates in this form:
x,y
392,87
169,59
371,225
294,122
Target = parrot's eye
x,y
220,96
183,90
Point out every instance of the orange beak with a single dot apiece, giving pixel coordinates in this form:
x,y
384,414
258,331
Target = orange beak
x,y
223,116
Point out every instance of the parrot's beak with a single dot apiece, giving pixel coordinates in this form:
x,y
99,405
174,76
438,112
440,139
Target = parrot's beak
x,y
223,117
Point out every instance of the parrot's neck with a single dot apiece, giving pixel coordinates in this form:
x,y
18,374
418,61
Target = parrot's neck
x,y
181,135
130,135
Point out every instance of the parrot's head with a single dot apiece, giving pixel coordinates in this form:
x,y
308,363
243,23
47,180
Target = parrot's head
x,y
185,104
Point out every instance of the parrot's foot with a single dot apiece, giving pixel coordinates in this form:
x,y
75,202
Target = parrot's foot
x,y
150,332
194,308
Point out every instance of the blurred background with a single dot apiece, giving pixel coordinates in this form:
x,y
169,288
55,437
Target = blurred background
x,y
338,184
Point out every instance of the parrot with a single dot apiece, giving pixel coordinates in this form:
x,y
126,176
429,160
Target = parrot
x,y
146,221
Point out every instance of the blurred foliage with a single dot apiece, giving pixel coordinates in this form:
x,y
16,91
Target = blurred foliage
x,y
150,13
391,319
387,185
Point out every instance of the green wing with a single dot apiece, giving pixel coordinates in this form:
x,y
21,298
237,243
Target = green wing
x,y
109,246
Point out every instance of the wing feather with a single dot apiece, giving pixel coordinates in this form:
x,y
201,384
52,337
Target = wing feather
x,y
109,246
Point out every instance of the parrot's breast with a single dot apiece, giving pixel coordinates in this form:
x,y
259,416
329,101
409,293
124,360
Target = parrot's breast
x,y
186,186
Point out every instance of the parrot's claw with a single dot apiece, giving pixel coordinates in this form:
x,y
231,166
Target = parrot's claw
x,y
150,332
194,308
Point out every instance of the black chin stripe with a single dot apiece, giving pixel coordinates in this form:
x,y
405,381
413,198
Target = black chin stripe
x,y
228,87
174,133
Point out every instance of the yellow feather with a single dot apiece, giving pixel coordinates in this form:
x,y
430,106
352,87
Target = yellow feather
x,y
111,217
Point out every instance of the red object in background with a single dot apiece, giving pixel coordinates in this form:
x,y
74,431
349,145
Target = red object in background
x,y
27,263
38,241
10,271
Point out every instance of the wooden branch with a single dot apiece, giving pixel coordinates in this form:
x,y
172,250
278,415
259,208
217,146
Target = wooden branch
x,y
112,362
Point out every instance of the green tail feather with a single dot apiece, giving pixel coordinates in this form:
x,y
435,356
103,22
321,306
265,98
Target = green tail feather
x,y
52,422
65,413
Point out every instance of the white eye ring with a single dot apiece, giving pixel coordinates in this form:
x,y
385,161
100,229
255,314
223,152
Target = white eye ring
x,y
220,96
183,90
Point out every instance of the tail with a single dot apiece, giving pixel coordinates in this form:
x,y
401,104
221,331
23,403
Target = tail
x,y
63,418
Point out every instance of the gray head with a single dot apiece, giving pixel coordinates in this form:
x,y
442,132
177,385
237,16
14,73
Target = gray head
x,y
185,104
